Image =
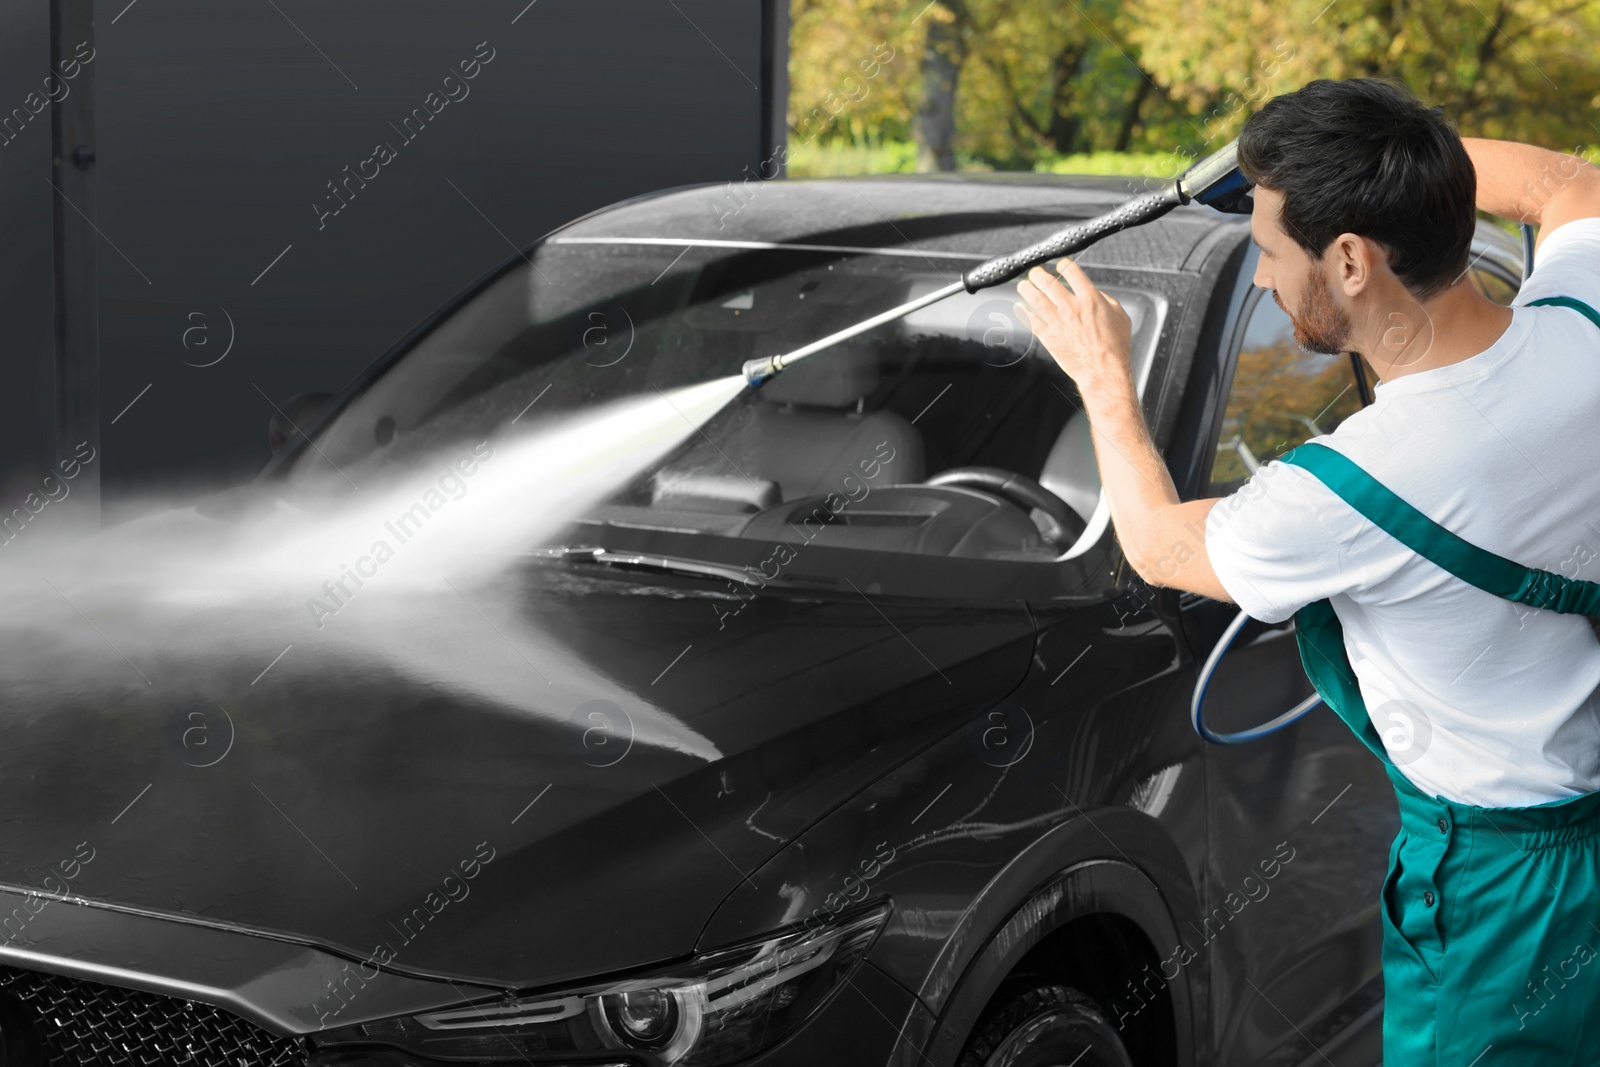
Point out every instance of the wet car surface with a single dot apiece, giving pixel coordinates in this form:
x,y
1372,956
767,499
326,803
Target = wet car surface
x,y
795,746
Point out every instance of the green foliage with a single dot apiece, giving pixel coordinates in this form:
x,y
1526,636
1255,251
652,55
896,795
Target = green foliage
x,y
834,157
823,159
1130,164
1042,81
1280,398
1500,68
852,71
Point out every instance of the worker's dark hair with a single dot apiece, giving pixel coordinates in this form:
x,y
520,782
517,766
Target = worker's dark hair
x,y
1364,156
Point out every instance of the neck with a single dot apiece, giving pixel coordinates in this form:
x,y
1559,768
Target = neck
x,y
1405,337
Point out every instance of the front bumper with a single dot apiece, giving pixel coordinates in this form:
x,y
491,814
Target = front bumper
x,y
100,987
81,1023
69,1022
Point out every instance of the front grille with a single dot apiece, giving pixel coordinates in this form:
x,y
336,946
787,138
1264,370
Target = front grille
x,y
86,1024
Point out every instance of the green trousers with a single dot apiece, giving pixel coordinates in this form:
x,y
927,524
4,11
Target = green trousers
x,y
1491,916
1491,934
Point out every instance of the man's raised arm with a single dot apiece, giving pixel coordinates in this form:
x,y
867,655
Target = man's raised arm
x,y
1533,185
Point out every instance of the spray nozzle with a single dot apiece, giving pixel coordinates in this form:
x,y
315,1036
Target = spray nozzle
x,y
1217,182
758,371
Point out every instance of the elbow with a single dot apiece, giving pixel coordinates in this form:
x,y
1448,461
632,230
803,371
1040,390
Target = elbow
x,y
1569,187
1162,568
1136,564
1154,572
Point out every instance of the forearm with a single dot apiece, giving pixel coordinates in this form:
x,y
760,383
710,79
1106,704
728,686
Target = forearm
x,y
1088,334
1530,184
1162,537
1132,473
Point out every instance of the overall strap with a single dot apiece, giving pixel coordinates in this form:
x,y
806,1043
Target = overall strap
x,y
1567,302
1317,630
1475,566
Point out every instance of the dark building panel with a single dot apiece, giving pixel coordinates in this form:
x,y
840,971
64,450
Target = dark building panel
x,y
26,407
304,181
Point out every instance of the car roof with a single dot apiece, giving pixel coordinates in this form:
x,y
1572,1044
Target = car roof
x,y
981,215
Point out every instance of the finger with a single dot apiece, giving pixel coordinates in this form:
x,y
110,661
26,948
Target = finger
x,y
1034,298
1025,315
1049,285
1076,278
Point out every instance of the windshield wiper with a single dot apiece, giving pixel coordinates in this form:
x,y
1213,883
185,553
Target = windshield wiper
x,y
694,568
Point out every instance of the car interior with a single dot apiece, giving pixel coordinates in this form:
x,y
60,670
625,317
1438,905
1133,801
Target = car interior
x,y
950,433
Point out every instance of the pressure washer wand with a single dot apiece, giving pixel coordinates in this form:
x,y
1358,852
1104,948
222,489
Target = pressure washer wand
x,y
1214,180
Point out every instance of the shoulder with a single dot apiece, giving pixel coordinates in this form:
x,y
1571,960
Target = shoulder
x,y
1287,505
1277,485
1283,540
1566,264
1291,504
1582,234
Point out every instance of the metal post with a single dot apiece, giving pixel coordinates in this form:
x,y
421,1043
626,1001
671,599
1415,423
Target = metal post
x,y
77,312
774,88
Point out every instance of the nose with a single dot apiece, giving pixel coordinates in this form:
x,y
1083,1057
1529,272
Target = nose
x,y
1263,278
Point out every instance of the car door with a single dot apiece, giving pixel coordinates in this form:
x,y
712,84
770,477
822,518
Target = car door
x,y
1301,819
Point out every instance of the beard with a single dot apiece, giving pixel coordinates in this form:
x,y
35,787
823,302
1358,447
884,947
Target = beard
x,y
1320,326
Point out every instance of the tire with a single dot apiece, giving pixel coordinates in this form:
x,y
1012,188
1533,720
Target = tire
x,y
1046,1026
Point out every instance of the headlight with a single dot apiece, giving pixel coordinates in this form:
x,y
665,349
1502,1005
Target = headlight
x,y
717,1008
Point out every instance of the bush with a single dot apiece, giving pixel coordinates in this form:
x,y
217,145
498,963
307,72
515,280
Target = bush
x,y
1131,164
830,158
826,159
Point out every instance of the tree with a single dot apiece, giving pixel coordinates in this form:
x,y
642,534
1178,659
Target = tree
x,y
1009,83
944,50
1046,78
1500,68
852,70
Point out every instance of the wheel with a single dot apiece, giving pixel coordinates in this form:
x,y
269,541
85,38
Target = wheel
x,y
1062,524
1046,1026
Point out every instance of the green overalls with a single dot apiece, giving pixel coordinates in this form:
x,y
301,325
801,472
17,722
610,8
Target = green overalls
x,y
1491,916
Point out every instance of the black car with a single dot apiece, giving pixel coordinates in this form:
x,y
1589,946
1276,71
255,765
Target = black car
x,y
837,731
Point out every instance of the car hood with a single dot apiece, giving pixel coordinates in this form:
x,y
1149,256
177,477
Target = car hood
x,y
553,775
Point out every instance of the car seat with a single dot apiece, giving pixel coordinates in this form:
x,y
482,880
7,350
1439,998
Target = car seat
x,y
802,435
1070,470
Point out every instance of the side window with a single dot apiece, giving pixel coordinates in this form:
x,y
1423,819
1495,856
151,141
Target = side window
x,y
1281,396
1493,285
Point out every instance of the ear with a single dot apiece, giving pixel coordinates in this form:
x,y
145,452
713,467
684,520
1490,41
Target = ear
x,y
1353,262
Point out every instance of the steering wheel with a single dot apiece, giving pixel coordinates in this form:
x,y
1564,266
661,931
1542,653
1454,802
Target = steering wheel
x,y
1062,525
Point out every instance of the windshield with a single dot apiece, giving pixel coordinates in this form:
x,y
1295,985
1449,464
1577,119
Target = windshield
x,y
587,321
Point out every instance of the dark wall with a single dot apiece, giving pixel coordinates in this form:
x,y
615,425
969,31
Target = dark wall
x,y
26,343
220,128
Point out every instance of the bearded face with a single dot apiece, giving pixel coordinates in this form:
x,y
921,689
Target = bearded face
x,y
1320,325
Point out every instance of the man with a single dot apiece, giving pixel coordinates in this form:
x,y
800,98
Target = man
x,y
1486,420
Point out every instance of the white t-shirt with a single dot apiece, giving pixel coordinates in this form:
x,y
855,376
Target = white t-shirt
x,y
1479,700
